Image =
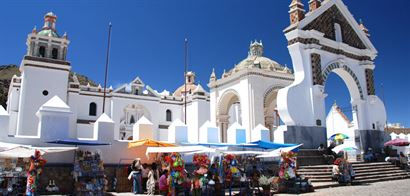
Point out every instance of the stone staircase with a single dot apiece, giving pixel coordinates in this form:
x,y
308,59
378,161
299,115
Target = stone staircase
x,y
321,175
307,157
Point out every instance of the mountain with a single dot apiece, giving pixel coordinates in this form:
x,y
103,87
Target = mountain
x,y
8,71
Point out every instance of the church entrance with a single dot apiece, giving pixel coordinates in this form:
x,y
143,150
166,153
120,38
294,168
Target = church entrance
x,y
229,112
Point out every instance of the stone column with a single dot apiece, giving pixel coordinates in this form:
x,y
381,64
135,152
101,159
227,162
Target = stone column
x,y
223,123
270,124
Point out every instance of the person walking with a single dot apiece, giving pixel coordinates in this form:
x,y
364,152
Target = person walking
x,y
136,176
150,181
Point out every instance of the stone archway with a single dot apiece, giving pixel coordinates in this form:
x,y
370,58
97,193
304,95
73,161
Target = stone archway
x,y
271,114
225,110
353,85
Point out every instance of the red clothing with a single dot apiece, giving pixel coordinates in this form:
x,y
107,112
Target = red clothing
x,y
163,183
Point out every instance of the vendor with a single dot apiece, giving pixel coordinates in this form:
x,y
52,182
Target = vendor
x,y
403,161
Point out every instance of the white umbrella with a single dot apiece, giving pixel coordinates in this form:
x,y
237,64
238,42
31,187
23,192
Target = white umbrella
x,y
278,152
28,151
345,147
6,146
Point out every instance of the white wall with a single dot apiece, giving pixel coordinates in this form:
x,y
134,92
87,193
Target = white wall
x,y
34,81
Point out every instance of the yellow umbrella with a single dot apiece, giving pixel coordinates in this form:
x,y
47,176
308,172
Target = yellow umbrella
x,y
140,147
149,143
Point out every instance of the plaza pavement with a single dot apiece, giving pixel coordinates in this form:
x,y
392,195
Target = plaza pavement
x,y
389,188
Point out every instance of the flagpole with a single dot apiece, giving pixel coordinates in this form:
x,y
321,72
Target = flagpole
x,y
185,71
106,65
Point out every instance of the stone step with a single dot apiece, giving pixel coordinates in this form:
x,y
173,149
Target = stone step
x,y
316,167
381,176
314,173
398,171
382,179
367,164
374,166
359,170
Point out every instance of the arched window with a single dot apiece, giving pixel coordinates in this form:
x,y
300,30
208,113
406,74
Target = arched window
x,y
132,120
54,53
338,33
169,115
93,109
42,51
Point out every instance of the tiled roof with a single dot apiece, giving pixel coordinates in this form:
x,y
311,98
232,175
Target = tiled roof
x,y
397,130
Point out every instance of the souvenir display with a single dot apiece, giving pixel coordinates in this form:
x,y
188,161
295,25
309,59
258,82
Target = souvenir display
x,y
13,176
287,165
201,161
178,172
33,173
88,174
231,167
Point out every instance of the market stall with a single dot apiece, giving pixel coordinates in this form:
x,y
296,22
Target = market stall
x,y
21,167
88,171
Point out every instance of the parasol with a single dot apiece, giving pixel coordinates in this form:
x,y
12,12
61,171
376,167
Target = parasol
x,y
345,147
149,143
397,142
338,136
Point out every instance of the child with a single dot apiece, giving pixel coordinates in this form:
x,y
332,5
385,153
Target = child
x,y
150,181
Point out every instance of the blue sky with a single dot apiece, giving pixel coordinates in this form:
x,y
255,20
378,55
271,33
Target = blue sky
x,y
148,40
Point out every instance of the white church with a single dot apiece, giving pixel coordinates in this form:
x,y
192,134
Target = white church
x,y
257,99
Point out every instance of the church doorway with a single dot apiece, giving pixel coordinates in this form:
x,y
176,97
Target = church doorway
x,y
229,112
271,114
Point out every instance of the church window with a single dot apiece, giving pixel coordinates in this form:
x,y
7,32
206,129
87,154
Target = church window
x,y
42,51
93,109
338,33
54,53
45,92
318,122
169,115
132,120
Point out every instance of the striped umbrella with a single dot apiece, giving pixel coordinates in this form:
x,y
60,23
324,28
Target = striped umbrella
x,y
338,136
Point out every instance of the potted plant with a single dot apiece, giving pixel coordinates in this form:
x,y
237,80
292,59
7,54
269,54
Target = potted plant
x,y
265,183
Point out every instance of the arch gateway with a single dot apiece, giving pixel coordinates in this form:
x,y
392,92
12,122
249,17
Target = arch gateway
x,y
325,40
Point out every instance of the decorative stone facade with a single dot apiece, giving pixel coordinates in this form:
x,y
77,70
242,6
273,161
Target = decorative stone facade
x,y
325,24
370,82
316,69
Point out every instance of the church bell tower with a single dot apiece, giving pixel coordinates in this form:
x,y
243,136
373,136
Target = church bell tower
x,y
44,72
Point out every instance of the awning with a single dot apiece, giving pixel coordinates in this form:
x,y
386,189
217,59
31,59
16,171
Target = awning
x,y
179,149
75,142
5,145
277,152
271,145
149,142
26,152
245,152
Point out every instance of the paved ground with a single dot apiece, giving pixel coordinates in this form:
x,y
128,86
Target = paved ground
x,y
389,188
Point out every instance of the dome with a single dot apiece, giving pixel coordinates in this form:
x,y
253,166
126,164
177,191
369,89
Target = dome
x,y
256,59
181,90
190,85
258,62
48,33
